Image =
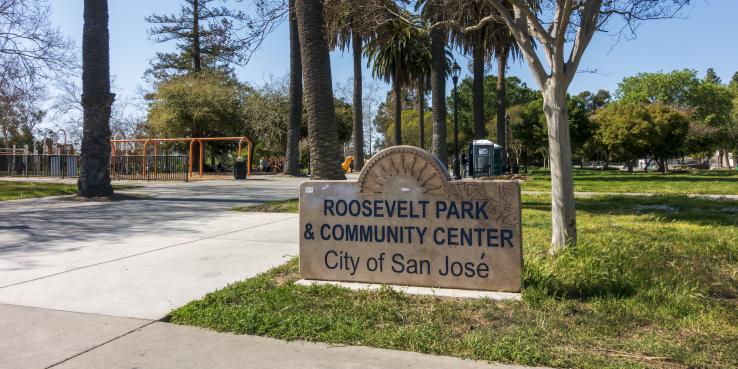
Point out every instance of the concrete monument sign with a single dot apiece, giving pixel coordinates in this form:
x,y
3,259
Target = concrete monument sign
x,y
404,222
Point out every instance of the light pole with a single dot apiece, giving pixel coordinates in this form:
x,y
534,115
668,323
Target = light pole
x,y
455,71
507,143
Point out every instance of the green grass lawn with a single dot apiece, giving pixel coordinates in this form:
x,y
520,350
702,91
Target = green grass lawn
x,y
695,182
653,282
14,190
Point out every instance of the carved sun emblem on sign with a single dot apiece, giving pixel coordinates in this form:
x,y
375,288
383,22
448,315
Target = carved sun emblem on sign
x,y
406,170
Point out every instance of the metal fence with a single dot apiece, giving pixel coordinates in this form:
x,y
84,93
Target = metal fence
x,y
129,167
150,167
39,165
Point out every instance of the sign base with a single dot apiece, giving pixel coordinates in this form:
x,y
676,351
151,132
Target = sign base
x,y
420,291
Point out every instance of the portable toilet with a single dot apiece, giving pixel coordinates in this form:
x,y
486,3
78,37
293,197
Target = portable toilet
x,y
485,159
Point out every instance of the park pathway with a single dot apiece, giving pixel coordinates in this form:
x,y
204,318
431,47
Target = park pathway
x,y
86,284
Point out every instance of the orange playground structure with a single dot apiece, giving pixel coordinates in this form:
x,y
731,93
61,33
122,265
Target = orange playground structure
x,y
199,140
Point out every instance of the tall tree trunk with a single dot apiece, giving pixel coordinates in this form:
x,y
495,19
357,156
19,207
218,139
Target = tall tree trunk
x,y
325,150
292,157
196,60
726,158
563,216
421,113
397,88
501,112
357,104
478,95
94,179
438,91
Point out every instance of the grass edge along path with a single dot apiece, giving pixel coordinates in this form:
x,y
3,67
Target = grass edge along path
x,y
653,282
18,190
279,206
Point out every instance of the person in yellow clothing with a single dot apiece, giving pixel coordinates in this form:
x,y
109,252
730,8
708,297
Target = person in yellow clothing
x,y
346,165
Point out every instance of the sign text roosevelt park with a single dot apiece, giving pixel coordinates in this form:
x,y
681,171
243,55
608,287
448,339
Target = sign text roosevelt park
x,y
403,222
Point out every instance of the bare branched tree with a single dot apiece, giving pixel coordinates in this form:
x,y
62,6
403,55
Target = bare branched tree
x,y
32,52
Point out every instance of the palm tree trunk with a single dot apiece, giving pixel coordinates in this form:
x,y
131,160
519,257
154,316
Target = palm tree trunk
x,y
357,104
501,113
478,88
421,114
94,179
397,87
292,157
325,150
438,90
196,59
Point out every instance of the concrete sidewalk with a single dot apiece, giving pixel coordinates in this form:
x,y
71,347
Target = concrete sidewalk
x,y
56,339
143,257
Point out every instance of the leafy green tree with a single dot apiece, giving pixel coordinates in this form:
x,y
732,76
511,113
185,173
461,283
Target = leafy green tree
x,y
207,104
594,101
629,131
669,128
700,140
516,93
713,107
712,77
411,127
708,101
582,128
530,129
675,88
733,85
622,132
265,114
528,126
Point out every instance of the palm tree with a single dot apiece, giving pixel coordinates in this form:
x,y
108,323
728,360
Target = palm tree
x,y
432,12
422,72
423,80
352,23
504,46
344,27
94,179
325,150
398,56
292,157
477,43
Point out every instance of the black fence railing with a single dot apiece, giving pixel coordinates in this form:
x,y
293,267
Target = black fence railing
x,y
149,168
39,165
129,167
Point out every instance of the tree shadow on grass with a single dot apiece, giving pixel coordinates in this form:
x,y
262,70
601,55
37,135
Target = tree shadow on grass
x,y
662,178
671,207
624,262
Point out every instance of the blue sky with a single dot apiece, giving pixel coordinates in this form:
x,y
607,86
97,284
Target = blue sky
x,y
703,39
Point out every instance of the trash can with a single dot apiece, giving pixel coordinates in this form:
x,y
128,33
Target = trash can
x,y
240,167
